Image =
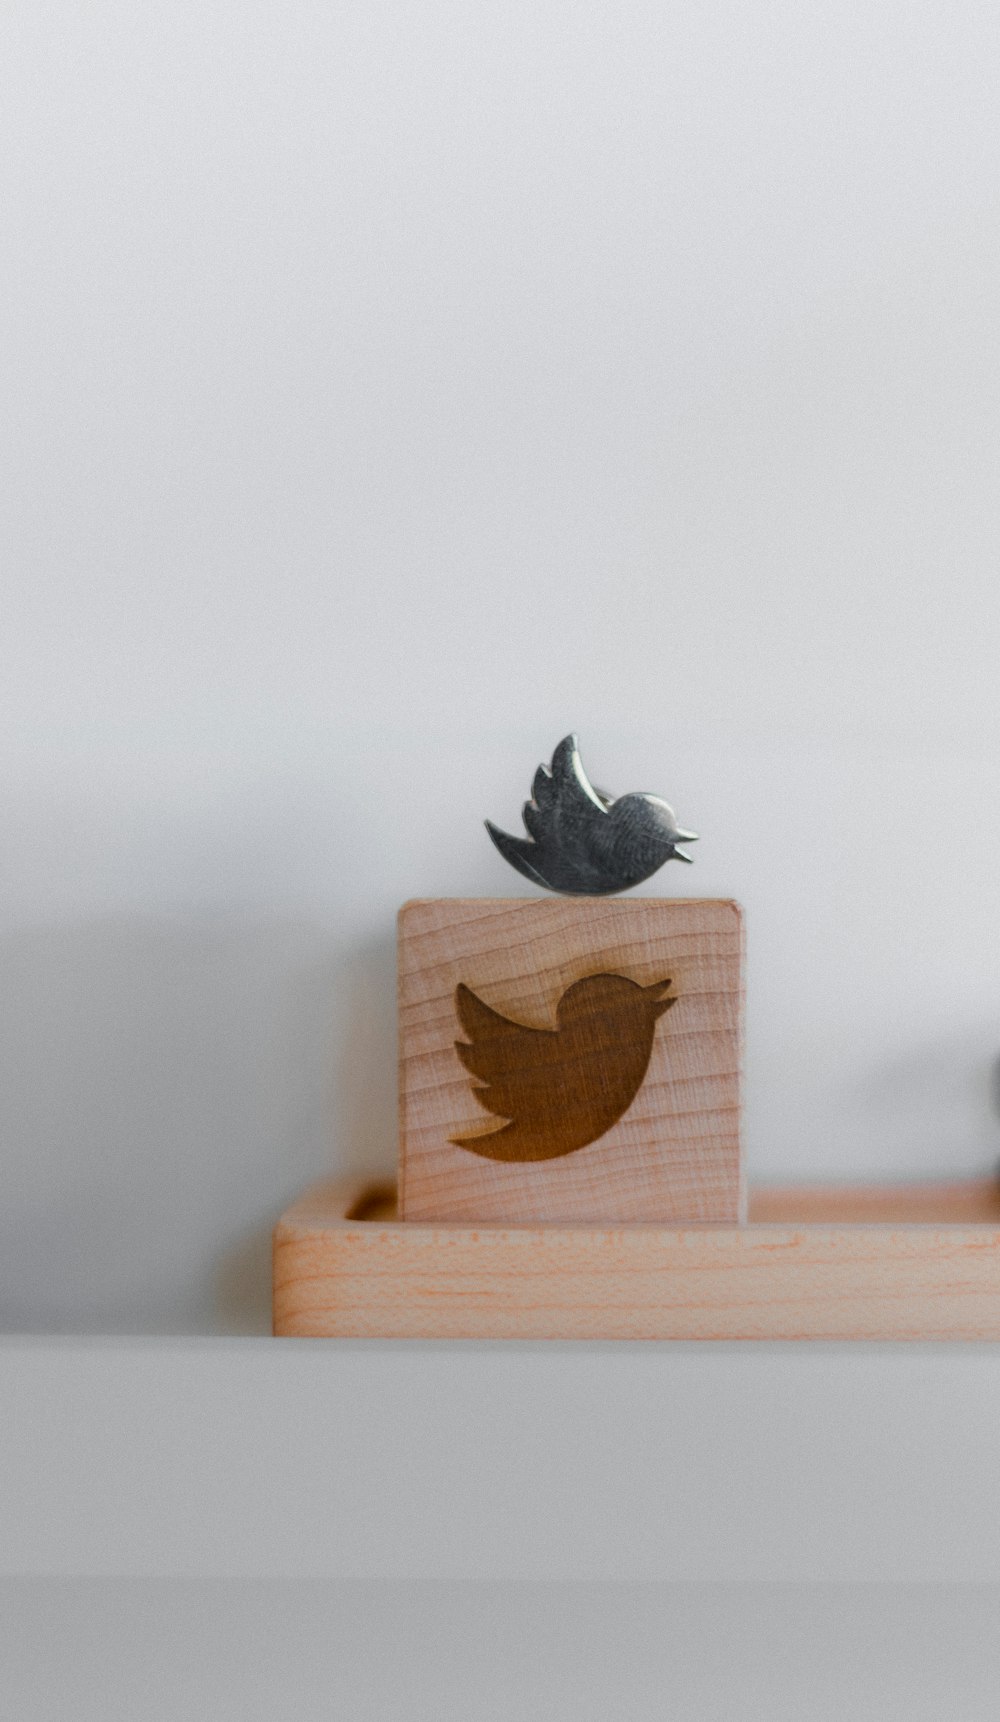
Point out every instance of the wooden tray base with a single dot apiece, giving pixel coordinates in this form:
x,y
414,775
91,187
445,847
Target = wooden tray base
x,y
914,1262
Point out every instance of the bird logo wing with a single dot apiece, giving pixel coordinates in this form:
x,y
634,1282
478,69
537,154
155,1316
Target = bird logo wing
x,y
506,1057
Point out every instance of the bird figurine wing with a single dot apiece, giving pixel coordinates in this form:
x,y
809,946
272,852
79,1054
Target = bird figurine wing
x,y
510,1059
564,803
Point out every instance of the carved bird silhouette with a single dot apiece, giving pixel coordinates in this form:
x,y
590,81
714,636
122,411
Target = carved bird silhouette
x,y
564,1087
583,842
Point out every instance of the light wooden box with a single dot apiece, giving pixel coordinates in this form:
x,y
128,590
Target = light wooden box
x,y
671,1153
911,1263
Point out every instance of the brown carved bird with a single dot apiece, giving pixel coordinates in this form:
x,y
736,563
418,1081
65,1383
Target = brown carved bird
x,y
564,1087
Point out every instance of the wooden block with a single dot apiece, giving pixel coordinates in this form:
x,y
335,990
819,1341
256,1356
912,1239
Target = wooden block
x,y
344,1267
604,1038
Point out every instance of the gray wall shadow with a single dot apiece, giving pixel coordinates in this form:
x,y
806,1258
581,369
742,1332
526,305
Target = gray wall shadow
x,y
168,1086
934,1106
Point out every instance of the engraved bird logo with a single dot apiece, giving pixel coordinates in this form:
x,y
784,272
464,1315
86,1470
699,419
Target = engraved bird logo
x,y
583,842
564,1087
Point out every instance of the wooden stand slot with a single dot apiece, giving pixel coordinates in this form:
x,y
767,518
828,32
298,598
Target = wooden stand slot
x,y
913,1262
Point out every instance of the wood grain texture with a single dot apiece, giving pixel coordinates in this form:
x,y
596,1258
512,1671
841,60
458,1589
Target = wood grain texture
x,y
673,1154
338,1273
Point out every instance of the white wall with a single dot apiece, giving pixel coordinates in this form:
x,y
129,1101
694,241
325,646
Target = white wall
x,y
388,389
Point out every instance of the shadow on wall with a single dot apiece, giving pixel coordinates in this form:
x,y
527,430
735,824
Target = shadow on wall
x,y
168,1086
939,1102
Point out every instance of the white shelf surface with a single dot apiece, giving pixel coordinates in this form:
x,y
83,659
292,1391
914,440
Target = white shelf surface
x,y
186,1650
354,1460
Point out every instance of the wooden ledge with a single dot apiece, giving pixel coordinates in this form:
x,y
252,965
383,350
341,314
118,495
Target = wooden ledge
x,y
909,1262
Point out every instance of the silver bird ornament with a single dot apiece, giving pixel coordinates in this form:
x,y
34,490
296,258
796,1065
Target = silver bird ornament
x,y
583,842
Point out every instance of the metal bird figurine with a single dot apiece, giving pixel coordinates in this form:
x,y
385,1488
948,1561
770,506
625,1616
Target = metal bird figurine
x,y
564,1087
583,842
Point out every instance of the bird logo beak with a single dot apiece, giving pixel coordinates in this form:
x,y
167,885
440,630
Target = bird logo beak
x,y
654,991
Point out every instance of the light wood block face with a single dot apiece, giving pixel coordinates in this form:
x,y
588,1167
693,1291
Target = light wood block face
x,y
604,1093
344,1267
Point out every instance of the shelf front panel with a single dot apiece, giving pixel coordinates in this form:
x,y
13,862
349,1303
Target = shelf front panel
x,y
361,1459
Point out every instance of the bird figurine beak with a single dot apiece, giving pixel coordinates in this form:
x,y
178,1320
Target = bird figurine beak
x,y
684,837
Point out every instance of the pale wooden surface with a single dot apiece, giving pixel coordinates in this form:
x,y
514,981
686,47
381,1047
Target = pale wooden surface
x,y
971,1201
812,1274
674,1155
